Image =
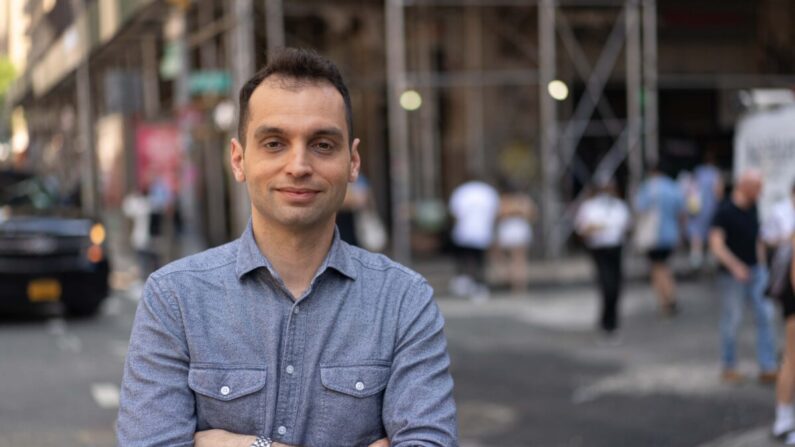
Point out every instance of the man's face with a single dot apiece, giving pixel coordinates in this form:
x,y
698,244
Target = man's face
x,y
752,188
296,162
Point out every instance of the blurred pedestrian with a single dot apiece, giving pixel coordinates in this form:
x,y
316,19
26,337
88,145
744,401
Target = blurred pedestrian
x,y
136,206
516,213
602,221
705,192
660,206
734,241
784,424
474,205
778,232
779,225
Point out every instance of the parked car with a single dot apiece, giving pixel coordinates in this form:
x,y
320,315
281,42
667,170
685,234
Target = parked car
x,y
50,252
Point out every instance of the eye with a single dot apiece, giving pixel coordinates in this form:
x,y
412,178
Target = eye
x,y
272,145
324,146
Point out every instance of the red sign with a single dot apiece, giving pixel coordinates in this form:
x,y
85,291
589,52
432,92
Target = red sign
x,y
159,150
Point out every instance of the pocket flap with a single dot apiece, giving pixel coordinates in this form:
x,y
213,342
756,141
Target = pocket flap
x,y
226,384
355,380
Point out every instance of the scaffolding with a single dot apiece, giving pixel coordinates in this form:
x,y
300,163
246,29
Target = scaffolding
x,y
561,131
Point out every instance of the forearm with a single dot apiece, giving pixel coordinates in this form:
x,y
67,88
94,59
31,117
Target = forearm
x,y
717,246
222,438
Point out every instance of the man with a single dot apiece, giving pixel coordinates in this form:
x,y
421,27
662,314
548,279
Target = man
x,y
289,336
734,241
602,221
474,205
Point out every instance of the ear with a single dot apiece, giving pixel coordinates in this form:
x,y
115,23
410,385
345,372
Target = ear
x,y
237,158
356,161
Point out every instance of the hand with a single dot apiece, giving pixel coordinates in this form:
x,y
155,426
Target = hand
x,y
741,273
383,442
222,438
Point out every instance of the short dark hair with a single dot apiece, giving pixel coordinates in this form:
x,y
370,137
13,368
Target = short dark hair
x,y
294,65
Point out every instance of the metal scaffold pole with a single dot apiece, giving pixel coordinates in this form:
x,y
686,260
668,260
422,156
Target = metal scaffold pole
x,y
398,131
241,59
633,70
550,195
274,24
89,164
650,113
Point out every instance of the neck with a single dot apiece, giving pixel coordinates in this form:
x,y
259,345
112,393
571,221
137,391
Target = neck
x,y
295,254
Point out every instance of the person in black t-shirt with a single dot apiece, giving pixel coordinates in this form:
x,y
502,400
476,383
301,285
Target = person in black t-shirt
x,y
734,241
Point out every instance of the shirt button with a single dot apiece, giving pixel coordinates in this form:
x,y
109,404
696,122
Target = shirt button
x,y
281,430
225,390
290,369
359,386
296,310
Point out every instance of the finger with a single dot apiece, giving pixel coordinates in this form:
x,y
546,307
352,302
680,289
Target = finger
x,y
383,442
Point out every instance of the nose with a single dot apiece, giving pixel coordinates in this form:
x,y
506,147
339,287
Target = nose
x,y
299,164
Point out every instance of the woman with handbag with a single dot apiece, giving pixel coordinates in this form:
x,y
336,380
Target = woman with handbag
x,y
660,205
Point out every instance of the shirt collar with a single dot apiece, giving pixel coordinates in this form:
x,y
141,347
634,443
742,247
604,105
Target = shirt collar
x,y
250,258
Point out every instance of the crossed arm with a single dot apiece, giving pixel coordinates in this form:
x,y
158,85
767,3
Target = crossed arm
x,y
221,438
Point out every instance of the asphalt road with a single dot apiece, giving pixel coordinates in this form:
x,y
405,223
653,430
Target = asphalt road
x,y
529,371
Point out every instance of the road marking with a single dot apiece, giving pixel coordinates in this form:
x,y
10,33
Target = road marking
x,y
106,395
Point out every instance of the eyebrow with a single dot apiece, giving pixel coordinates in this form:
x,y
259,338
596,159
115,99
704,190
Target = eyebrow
x,y
261,131
328,132
264,130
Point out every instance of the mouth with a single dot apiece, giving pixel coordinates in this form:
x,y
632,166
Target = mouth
x,y
298,194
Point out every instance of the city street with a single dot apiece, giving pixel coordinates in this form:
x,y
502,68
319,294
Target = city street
x,y
528,372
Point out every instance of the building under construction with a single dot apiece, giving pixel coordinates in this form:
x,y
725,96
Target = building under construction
x,y
545,94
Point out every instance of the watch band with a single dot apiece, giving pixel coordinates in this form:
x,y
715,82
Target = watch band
x,y
262,441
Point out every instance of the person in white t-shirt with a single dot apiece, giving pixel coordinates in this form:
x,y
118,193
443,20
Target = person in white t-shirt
x,y
779,224
602,221
473,205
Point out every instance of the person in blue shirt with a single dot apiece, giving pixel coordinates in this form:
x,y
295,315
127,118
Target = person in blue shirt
x,y
661,195
289,336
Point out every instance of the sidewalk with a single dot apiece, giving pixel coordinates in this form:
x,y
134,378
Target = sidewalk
x,y
576,269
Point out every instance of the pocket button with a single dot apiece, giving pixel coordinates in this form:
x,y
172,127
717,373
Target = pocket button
x,y
225,390
359,386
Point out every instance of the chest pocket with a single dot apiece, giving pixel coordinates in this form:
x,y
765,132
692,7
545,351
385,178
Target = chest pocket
x,y
353,396
229,399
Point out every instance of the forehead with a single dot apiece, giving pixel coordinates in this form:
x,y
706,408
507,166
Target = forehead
x,y
288,101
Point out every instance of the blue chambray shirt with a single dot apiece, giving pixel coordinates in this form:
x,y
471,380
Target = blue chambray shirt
x,y
218,342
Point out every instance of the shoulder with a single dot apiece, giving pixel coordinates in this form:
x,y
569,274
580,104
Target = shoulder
x,y
378,266
202,263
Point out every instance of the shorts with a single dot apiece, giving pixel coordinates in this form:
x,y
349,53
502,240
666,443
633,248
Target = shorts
x,y
659,254
514,232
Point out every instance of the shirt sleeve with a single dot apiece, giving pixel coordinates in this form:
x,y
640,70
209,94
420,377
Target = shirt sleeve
x,y
419,409
157,408
719,220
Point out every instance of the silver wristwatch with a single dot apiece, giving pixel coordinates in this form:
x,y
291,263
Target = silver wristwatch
x,y
262,442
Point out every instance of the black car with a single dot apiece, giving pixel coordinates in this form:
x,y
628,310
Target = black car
x,y
50,253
